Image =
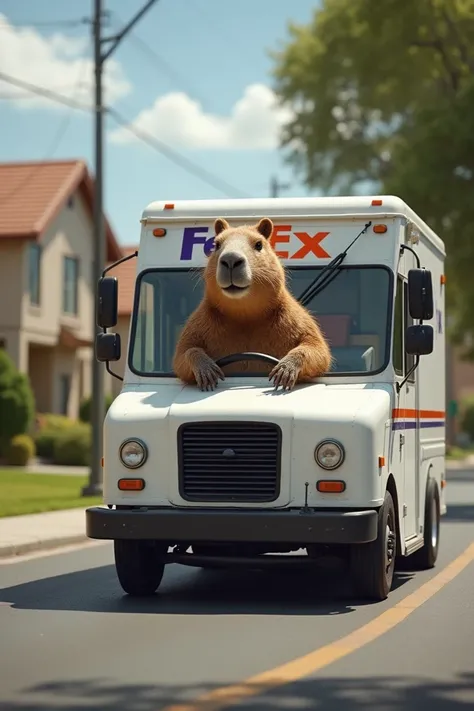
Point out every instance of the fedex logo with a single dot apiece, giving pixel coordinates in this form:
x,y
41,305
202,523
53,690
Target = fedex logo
x,y
309,244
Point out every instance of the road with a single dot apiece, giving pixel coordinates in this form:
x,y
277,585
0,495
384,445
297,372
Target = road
x,y
71,640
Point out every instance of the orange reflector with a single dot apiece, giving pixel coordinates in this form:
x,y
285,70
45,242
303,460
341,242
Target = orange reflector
x,y
169,206
376,202
443,279
102,462
443,483
131,484
331,487
159,232
381,462
380,229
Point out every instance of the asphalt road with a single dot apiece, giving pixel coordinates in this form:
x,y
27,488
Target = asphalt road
x,y
70,640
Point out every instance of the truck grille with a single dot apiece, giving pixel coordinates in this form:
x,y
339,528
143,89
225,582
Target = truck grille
x,y
229,461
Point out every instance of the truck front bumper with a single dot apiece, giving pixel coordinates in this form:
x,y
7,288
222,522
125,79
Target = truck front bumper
x,y
176,525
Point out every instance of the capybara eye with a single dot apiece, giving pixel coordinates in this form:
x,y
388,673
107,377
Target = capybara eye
x,y
258,246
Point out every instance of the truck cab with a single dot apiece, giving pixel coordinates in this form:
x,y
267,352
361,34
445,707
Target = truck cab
x,y
352,464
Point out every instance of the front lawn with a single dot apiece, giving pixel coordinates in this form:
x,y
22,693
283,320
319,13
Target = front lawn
x,y
23,493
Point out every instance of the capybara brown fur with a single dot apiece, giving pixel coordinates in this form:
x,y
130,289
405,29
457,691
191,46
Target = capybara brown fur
x,y
247,307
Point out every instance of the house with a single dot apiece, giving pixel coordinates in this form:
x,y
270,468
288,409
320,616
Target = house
x,y
126,276
46,279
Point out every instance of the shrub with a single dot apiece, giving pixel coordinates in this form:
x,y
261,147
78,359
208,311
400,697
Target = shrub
x,y
49,425
85,408
17,404
20,450
467,417
72,445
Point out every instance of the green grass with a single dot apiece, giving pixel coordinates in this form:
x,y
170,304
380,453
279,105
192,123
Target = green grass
x,y
457,453
23,493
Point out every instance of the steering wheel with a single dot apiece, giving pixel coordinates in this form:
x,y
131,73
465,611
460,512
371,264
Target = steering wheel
x,y
236,357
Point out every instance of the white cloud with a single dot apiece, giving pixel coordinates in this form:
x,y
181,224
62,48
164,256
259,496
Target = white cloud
x,y
57,63
254,122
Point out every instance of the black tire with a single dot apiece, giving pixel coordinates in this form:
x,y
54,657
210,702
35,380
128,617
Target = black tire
x,y
139,566
425,558
372,564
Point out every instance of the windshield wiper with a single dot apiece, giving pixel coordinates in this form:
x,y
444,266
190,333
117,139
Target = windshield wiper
x,y
328,273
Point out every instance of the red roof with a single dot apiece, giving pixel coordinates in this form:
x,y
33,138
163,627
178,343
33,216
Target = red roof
x,y
126,275
32,194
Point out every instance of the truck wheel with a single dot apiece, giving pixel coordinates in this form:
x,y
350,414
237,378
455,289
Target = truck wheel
x,y
372,564
425,558
139,566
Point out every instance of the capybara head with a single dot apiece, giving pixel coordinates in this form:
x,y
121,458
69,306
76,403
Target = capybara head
x,y
243,264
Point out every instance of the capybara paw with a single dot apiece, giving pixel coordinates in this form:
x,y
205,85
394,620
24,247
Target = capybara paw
x,y
207,375
285,373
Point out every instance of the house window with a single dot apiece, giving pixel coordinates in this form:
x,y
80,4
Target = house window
x,y
34,265
71,285
64,393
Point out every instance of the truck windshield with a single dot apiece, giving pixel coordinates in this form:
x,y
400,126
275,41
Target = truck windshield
x,y
354,312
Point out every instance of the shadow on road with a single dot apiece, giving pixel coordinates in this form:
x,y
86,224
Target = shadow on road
x,y
325,694
325,591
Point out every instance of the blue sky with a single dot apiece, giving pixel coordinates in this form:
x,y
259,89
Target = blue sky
x,y
212,52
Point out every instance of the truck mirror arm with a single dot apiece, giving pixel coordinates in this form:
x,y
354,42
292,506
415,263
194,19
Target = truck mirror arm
x,y
399,386
104,330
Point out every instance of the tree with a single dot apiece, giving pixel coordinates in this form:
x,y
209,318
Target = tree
x,y
383,100
17,404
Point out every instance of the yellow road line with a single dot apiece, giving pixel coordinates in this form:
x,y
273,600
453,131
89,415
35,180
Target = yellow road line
x,y
320,658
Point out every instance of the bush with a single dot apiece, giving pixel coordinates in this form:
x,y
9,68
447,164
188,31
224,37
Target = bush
x,y
17,404
467,417
72,445
85,408
20,450
49,425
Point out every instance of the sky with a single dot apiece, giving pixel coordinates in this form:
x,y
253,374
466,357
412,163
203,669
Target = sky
x,y
193,74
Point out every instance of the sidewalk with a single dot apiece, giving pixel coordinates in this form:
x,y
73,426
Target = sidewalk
x,y
42,531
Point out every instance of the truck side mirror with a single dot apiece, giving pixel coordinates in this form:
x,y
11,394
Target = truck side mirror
x,y
419,340
107,303
420,294
107,347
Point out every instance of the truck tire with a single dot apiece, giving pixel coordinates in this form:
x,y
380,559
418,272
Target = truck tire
x,y
372,564
425,558
139,566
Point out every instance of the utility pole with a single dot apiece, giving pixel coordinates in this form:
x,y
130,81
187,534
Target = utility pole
x,y
94,486
275,186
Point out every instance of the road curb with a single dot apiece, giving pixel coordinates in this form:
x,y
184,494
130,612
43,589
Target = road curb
x,y
16,549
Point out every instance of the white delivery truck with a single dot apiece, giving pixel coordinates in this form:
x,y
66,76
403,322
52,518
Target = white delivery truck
x,y
352,464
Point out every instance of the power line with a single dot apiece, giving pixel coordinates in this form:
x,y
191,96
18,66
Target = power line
x,y
187,165
218,183
57,138
48,23
45,93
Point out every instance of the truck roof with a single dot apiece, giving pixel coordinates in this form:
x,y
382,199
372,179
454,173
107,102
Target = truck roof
x,y
376,206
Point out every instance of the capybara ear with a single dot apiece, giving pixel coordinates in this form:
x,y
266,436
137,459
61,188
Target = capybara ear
x,y
265,227
220,225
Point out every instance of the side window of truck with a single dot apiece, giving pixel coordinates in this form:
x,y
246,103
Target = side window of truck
x,y
398,349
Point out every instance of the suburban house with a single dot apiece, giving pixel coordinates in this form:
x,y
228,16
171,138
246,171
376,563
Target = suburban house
x,y
46,284
126,276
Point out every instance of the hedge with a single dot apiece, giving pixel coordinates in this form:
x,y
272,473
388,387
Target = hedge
x,y
48,427
467,417
85,408
17,404
20,450
72,445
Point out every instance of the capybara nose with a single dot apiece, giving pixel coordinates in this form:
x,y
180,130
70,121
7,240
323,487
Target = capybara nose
x,y
231,260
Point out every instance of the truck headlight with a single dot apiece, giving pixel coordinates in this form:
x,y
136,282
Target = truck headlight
x,y
133,453
329,454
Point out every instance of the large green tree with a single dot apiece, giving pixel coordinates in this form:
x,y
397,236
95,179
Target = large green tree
x,y
382,94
